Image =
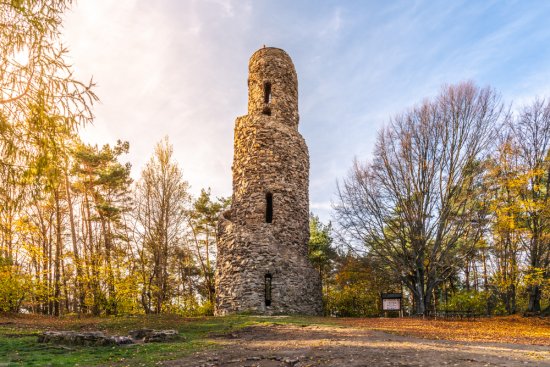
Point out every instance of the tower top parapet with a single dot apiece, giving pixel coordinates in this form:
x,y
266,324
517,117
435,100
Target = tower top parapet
x,y
273,85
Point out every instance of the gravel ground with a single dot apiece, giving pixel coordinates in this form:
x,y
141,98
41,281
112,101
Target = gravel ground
x,y
287,345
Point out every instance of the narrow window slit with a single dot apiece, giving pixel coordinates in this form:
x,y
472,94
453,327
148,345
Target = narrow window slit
x,y
268,207
267,92
268,289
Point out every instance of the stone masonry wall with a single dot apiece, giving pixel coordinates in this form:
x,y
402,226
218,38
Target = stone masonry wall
x,y
270,157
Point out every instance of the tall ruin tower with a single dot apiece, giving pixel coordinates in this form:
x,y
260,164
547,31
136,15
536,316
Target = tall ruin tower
x,y
263,264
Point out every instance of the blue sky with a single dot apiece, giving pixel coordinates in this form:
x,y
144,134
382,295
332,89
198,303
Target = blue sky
x,y
179,68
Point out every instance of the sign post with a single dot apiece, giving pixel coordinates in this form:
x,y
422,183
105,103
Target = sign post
x,y
392,302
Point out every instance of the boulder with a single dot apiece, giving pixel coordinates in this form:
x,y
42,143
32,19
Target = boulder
x,y
90,338
97,338
151,335
140,333
160,336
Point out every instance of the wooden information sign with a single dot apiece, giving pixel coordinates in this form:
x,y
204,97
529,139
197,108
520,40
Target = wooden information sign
x,y
392,302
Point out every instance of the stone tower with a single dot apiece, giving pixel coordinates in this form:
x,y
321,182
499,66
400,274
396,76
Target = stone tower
x,y
263,264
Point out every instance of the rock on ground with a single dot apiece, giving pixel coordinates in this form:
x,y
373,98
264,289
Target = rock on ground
x,y
90,338
97,338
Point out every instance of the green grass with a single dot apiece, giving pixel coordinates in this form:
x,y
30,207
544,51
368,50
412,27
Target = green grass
x,y
19,346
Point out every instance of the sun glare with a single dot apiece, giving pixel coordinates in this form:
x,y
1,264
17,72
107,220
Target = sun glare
x,y
21,57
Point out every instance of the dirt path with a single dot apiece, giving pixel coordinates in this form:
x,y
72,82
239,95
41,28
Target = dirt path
x,y
286,345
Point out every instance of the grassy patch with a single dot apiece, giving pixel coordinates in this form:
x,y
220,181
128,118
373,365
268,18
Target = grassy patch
x,y
18,335
19,346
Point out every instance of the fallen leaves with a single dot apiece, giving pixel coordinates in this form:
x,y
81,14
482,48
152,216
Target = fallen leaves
x,y
509,329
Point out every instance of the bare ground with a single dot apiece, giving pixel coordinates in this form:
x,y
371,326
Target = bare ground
x,y
289,345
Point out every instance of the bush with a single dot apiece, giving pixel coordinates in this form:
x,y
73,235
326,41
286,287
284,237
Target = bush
x,y
13,286
472,300
352,300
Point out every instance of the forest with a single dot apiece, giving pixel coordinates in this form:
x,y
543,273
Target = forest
x,y
452,208
454,204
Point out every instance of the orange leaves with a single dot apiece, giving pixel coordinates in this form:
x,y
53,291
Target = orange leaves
x,y
510,329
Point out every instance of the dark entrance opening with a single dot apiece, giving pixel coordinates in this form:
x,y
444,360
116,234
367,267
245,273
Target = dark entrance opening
x,y
268,207
268,289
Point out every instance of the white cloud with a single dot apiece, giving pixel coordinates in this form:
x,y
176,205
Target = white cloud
x,y
158,74
179,68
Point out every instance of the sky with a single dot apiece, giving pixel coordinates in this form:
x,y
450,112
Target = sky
x,y
178,68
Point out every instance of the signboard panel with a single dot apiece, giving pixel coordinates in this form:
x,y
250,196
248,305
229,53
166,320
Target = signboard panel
x,y
391,304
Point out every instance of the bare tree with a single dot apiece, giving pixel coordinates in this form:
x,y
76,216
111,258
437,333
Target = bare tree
x,y
414,202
